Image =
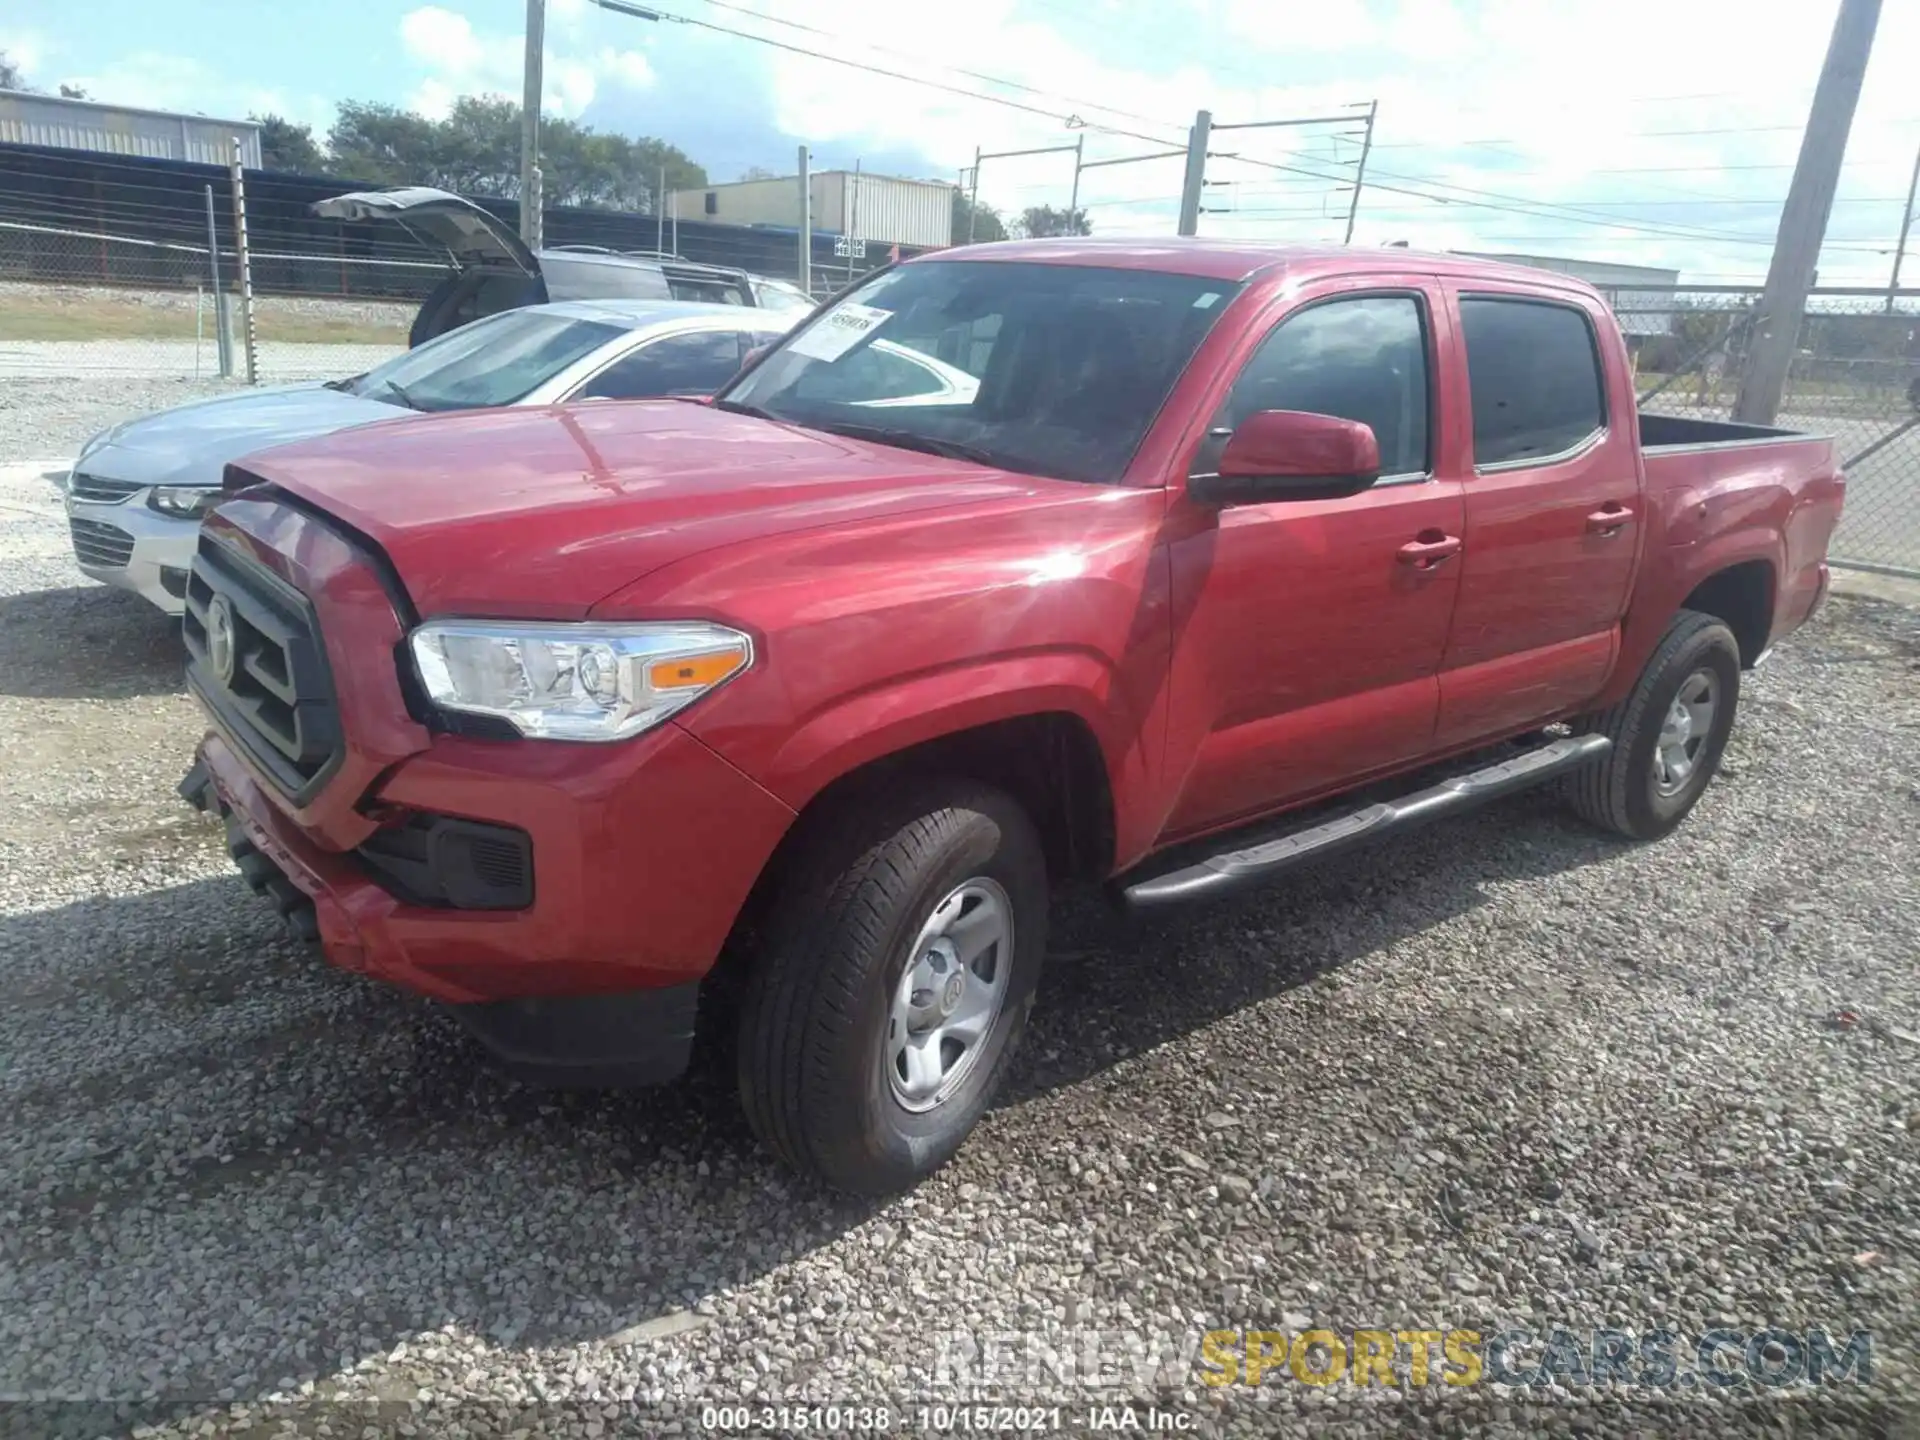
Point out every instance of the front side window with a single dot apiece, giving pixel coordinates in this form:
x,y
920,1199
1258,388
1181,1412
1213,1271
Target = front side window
x,y
694,364
1045,369
1362,358
1535,378
494,361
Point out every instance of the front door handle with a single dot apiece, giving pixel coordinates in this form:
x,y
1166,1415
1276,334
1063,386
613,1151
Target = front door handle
x,y
1429,550
1610,519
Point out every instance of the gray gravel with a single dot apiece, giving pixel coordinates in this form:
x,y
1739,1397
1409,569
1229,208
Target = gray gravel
x,y
1505,1072
49,419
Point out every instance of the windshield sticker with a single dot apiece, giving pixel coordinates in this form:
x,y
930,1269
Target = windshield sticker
x,y
1205,302
833,335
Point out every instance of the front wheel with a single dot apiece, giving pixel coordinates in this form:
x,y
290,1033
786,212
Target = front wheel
x,y
1668,734
895,975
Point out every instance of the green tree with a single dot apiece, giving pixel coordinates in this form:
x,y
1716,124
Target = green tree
x,y
1037,222
287,146
383,144
475,150
973,222
73,92
12,77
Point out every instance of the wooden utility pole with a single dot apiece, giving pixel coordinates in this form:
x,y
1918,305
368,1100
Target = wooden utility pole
x,y
530,124
1196,178
1803,221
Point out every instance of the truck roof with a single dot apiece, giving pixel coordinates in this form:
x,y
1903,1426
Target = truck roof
x,y
1243,259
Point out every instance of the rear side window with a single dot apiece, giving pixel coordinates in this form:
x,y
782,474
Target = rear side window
x,y
1535,377
692,364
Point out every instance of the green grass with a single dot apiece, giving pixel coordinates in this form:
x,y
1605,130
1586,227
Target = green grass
x,y
58,316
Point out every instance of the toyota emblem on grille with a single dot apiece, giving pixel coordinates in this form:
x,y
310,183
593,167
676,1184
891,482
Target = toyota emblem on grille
x,y
220,647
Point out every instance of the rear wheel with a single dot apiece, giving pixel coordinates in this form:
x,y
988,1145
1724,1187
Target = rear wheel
x,y
1668,734
894,977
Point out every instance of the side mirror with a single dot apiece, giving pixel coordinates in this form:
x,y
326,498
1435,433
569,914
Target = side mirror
x,y
1291,455
756,355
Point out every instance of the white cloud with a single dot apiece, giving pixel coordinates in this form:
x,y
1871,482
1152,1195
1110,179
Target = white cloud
x,y
459,60
443,41
158,81
25,49
1561,116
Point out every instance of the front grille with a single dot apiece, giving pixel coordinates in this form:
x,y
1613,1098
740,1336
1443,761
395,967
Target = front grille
x,y
439,861
273,693
95,543
99,489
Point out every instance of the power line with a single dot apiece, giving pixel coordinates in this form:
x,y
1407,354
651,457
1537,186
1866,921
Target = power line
x,y
1071,120
941,65
1511,204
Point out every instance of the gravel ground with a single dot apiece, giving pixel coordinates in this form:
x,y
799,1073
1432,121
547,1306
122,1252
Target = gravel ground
x,y
1503,1073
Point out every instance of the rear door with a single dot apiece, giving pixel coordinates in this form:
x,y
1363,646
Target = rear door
x,y
437,218
1309,634
493,268
1553,511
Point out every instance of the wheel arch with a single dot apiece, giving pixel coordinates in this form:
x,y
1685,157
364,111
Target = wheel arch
x,y
1743,595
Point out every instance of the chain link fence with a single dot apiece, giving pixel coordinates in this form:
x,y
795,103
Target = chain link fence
x,y
79,302
1855,376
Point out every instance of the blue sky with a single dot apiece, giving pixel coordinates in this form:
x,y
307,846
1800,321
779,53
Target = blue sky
x,y
1657,132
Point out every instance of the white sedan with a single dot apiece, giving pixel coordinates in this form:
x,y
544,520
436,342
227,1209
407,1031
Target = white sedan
x,y
137,491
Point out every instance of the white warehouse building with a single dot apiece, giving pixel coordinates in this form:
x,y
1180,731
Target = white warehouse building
x,y
880,209
63,124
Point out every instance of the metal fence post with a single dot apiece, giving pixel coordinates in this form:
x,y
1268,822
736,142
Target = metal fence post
x,y
245,266
223,335
806,222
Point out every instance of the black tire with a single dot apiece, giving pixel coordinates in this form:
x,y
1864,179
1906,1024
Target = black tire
x,y
1620,792
814,1026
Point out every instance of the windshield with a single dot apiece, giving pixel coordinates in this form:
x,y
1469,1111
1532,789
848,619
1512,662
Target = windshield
x,y
494,361
1046,369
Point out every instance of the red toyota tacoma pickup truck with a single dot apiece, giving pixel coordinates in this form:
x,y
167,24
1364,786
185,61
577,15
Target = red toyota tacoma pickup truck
x,y
1165,564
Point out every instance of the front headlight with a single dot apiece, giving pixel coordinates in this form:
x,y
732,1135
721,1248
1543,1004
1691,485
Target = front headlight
x,y
575,682
183,502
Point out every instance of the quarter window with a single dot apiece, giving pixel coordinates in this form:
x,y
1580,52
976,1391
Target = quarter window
x,y
1535,379
1363,358
694,364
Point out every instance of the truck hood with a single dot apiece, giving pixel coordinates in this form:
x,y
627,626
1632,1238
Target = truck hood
x,y
542,512
191,444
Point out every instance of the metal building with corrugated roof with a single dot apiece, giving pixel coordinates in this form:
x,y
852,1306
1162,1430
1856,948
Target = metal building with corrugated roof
x,y
54,121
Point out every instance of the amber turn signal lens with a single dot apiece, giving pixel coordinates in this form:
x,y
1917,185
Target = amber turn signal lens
x,y
694,672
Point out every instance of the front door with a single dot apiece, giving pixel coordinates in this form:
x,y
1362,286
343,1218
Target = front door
x,y
1309,634
1553,522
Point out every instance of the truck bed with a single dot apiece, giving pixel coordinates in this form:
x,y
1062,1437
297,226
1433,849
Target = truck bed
x,y
1711,482
1680,432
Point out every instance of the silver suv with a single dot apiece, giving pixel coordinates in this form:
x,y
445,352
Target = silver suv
x,y
493,270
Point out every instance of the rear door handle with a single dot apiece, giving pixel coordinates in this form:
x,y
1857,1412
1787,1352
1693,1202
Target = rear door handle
x,y
1609,519
1429,551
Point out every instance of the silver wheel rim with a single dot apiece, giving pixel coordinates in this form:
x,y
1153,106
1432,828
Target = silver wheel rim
x,y
950,994
1684,732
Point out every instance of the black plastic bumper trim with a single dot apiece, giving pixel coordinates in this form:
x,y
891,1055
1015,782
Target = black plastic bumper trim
x,y
633,1037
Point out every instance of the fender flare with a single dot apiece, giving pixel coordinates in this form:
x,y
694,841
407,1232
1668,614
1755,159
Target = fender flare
x,y
873,724
1682,570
